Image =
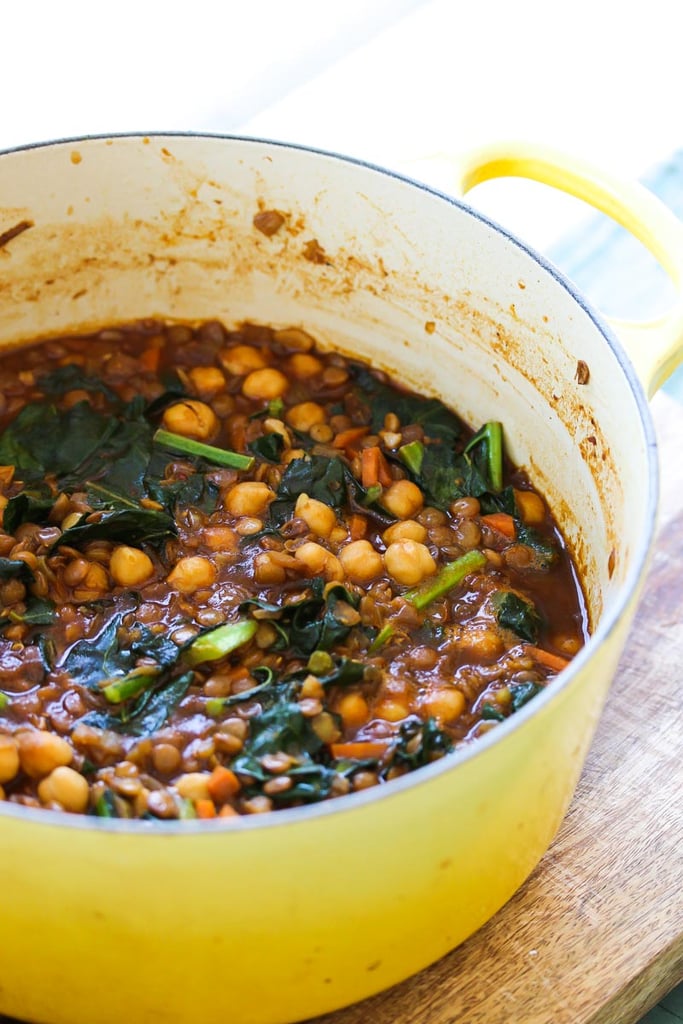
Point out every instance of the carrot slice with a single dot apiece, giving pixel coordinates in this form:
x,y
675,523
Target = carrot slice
x,y
369,467
358,526
359,750
350,438
205,808
374,468
502,522
546,658
222,784
385,477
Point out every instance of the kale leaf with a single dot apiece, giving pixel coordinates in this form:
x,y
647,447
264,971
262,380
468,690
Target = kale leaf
x,y
418,743
147,714
268,447
114,651
132,525
72,378
312,623
29,506
517,614
436,419
15,569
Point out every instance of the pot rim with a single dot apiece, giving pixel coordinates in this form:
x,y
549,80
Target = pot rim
x,y
639,559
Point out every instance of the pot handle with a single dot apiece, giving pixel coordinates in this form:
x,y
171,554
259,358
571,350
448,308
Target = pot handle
x,y
655,347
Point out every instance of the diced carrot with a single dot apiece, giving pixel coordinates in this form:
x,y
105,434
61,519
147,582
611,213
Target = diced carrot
x,y
385,477
205,808
359,750
149,360
374,468
358,526
350,438
502,522
369,467
552,661
222,784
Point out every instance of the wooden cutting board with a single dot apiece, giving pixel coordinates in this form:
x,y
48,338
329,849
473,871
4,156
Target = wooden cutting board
x,y
596,934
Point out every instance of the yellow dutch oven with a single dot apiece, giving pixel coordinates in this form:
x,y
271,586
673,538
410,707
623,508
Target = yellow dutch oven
x,y
279,917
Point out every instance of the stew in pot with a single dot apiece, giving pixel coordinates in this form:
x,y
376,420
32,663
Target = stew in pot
x,y
239,574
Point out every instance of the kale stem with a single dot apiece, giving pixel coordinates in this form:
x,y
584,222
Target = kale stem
x,y
495,438
450,576
187,446
412,455
219,641
492,433
130,686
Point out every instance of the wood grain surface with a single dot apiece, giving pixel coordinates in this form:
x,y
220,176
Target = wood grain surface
x,y
596,934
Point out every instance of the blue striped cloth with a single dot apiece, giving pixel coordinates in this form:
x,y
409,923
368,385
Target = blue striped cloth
x,y
614,271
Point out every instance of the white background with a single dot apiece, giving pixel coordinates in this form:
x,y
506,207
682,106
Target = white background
x,y
386,80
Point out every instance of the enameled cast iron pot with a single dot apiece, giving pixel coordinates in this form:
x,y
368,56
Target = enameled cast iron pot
x,y
279,917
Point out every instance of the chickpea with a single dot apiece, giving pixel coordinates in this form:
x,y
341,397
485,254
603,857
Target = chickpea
x,y
409,562
193,785
445,703
192,573
249,498
354,710
275,426
265,384
531,507
9,758
291,455
220,538
268,571
318,560
130,567
305,415
403,499
207,380
95,581
65,787
408,529
242,359
320,518
191,418
302,365
42,752
246,526
392,710
360,561
481,641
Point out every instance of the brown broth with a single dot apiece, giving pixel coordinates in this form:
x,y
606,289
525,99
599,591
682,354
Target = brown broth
x,y
149,730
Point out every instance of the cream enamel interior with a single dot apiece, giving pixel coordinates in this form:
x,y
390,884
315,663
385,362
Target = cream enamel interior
x,y
130,227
